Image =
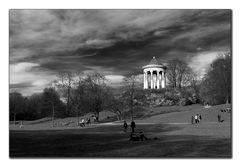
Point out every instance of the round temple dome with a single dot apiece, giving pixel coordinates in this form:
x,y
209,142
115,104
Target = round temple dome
x,y
153,61
154,75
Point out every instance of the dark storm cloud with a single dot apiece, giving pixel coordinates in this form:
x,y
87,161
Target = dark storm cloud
x,y
114,42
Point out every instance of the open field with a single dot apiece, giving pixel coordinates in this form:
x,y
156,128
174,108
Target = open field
x,y
173,133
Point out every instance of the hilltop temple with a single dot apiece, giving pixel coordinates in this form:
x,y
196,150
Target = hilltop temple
x,y
154,75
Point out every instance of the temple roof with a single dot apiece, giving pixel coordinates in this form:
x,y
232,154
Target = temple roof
x,y
153,61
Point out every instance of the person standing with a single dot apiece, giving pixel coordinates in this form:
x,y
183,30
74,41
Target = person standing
x,y
21,124
219,118
125,125
196,118
192,119
83,123
200,117
133,125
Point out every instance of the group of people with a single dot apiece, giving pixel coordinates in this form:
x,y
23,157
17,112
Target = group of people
x,y
84,122
228,110
196,118
132,125
138,137
87,121
220,118
134,136
95,118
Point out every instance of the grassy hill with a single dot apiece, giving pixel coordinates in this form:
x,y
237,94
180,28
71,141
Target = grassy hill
x,y
182,114
176,136
164,114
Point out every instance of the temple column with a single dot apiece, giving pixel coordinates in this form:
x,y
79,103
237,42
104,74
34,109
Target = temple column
x,y
163,79
146,80
160,79
154,83
151,79
157,79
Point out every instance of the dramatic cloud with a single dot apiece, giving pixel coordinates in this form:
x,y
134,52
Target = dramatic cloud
x,y
114,42
201,62
25,78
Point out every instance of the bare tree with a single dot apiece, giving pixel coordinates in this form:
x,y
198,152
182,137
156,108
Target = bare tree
x,y
78,96
96,92
131,84
177,73
194,81
51,101
17,104
172,73
65,83
182,72
116,104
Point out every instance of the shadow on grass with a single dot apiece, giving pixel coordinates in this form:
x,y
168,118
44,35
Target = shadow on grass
x,y
139,112
111,142
159,113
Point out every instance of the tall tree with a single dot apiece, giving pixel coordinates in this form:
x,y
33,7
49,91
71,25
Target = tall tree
x,y
79,97
95,85
177,72
194,81
64,83
118,104
216,86
51,103
16,104
34,106
131,85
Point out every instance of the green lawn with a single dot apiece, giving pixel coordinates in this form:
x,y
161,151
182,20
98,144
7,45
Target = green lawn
x,y
182,114
110,141
176,137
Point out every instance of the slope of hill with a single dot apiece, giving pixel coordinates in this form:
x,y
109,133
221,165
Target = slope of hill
x,y
167,114
182,114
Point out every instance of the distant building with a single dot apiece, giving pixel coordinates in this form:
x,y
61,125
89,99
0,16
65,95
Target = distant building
x,y
154,75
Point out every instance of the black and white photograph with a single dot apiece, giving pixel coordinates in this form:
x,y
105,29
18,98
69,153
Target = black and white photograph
x,y
120,83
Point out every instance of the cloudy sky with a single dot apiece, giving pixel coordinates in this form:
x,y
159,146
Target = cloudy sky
x,y
113,42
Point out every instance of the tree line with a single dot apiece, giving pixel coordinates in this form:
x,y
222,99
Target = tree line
x,y
212,88
74,95
77,94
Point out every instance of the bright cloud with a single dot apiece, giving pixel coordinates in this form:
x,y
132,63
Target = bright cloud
x,y
114,78
22,74
202,61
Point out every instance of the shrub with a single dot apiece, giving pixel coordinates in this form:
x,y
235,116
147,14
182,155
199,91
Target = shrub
x,y
184,102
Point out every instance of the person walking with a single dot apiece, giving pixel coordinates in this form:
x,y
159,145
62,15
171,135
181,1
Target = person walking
x,y
200,117
196,118
219,118
192,120
125,125
133,125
